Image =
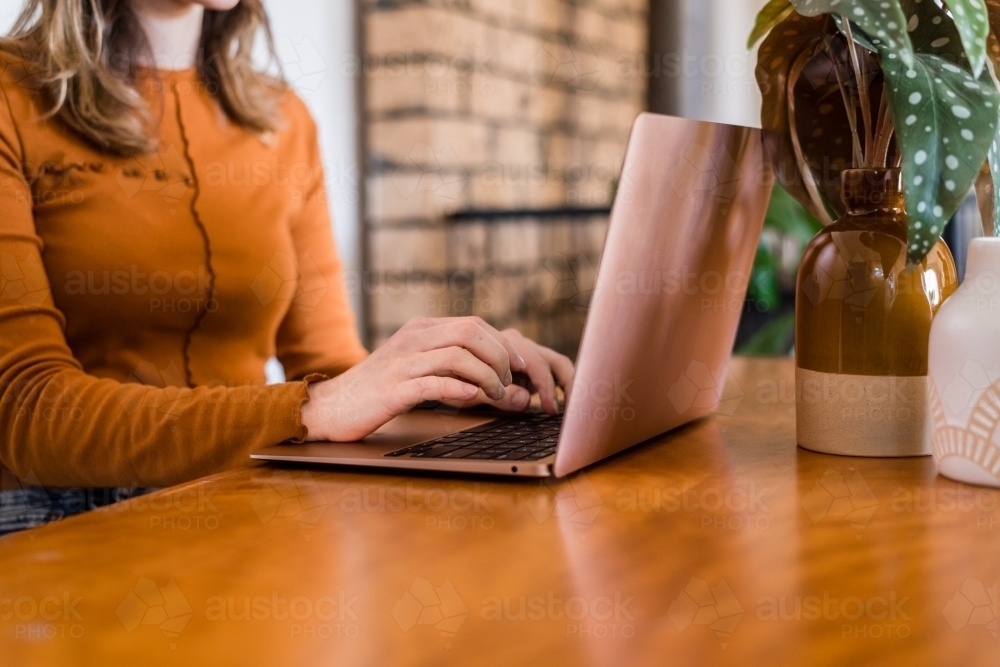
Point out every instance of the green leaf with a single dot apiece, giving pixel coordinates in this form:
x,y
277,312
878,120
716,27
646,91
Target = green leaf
x,y
945,119
973,27
881,19
774,338
774,12
932,30
944,134
789,218
764,288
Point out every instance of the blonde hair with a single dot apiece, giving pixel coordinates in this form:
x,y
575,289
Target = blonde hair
x,y
84,55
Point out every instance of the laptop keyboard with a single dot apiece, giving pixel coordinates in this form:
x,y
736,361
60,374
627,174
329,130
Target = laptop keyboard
x,y
520,438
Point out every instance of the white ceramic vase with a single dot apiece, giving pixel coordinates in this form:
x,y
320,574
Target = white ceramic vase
x,y
964,372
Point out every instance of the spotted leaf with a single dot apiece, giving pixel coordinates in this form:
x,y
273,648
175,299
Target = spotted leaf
x,y
881,19
973,27
774,12
795,37
945,121
932,31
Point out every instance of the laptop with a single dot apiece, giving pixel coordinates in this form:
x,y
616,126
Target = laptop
x,y
662,319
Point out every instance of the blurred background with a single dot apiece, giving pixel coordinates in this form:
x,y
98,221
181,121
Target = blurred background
x,y
472,148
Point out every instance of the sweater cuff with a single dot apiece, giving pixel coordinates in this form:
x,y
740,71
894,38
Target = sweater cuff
x,y
301,432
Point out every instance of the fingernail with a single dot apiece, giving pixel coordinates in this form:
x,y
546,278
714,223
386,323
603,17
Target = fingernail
x,y
501,392
520,362
521,400
508,379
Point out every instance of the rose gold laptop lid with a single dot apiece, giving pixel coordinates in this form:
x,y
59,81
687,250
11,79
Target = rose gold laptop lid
x,y
671,285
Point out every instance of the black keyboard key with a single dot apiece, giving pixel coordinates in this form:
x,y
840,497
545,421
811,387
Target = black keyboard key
x,y
531,436
457,453
438,450
513,456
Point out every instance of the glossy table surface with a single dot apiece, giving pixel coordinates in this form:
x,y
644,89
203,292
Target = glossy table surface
x,y
721,543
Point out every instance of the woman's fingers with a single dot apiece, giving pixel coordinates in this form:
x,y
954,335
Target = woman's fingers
x,y
517,399
538,371
541,376
517,362
470,324
562,367
432,388
470,349
458,361
468,334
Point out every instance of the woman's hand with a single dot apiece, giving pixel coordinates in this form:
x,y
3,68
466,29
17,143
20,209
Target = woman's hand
x,y
460,361
544,367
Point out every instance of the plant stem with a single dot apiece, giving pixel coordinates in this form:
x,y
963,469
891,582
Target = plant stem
x,y
879,122
849,106
800,160
859,75
884,137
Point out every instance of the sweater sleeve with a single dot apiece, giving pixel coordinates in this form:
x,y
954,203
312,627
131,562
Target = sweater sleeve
x,y
318,333
63,427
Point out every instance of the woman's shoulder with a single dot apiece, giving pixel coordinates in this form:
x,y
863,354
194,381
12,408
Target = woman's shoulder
x,y
21,105
294,111
297,126
20,79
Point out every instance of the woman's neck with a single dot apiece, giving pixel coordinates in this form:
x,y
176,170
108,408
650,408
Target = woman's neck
x,y
172,28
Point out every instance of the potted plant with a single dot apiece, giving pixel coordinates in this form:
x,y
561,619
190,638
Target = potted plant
x,y
878,116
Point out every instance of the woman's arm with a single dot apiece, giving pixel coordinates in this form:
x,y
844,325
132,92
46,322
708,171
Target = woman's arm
x,y
318,333
64,427
457,360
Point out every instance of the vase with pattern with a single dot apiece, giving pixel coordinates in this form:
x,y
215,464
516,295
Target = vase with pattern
x,y
965,373
862,321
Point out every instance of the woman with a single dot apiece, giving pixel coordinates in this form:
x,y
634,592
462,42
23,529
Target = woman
x,y
163,232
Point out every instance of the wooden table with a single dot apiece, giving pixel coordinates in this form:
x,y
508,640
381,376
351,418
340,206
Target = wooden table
x,y
719,544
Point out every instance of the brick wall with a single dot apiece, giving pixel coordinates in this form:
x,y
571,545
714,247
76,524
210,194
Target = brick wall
x,y
511,105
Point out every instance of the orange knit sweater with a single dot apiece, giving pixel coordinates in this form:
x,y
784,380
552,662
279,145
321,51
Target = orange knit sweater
x,y
141,296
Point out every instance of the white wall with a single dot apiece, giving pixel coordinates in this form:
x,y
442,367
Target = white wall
x,y
315,40
9,10
718,83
